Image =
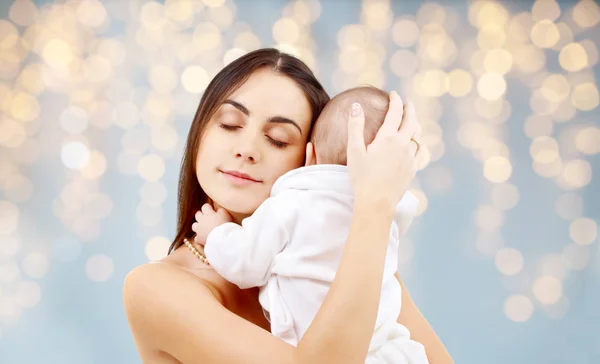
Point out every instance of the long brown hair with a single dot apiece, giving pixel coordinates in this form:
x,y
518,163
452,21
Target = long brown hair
x,y
190,196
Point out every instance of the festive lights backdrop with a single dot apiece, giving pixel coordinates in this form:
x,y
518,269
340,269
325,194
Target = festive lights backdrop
x,y
96,98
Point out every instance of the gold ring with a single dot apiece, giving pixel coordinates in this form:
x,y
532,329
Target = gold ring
x,y
417,143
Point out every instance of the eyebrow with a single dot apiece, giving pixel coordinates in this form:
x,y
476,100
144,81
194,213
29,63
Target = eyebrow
x,y
272,119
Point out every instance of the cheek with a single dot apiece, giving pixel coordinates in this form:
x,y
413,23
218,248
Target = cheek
x,y
290,161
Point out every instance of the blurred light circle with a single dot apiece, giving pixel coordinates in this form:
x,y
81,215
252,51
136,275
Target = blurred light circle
x,y
518,308
544,150
9,272
9,35
498,60
577,173
28,294
286,30
403,63
585,96
99,268
583,231
505,196
491,86
545,10
95,167
36,265
497,169
151,167
587,140
58,53
75,155
586,13
556,88
126,115
162,78
548,290
509,261
488,218
233,54
405,32
24,107
157,248
459,83
545,34
573,57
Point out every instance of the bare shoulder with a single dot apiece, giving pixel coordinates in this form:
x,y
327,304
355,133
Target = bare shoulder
x,y
177,315
152,295
146,282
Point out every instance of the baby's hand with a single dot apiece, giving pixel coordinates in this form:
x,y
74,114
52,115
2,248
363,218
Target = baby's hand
x,y
208,219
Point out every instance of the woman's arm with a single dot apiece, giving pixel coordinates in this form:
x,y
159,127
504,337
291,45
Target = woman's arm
x,y
170,309
420,330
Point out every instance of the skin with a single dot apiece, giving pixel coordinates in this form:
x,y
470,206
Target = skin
x,y
182,311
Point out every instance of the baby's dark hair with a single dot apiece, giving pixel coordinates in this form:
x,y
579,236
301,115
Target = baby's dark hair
x,y
330,132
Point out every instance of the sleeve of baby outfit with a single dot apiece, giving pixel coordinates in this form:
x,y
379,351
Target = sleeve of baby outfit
x,y
243,254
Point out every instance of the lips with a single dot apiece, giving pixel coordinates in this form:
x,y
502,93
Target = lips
x,y
240,175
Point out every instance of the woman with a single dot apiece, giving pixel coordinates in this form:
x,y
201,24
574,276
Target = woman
x,y
251,127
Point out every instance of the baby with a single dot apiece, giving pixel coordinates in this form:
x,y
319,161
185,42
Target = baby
x,y
292,245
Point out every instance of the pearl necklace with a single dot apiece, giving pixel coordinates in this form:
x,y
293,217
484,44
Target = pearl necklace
x,y
195,251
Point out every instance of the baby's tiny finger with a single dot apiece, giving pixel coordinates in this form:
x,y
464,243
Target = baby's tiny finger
x,y
207,208
195,227
198,215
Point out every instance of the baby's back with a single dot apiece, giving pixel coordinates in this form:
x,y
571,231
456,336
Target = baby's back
x,y
306,267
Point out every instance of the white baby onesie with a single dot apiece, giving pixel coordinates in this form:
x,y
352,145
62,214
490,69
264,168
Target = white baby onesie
x,y
291,248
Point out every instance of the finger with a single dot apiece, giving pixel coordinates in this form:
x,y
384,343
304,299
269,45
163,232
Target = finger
x,y
195,227
198,215
197,240
356,130
207,209
409,122
393,117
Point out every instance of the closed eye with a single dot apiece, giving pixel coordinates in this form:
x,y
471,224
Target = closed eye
x,y
277,143
229,127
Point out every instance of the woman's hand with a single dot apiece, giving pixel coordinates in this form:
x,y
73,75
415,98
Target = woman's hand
x,y
382,171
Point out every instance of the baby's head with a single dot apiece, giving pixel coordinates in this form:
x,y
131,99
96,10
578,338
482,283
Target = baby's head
x,y
330,132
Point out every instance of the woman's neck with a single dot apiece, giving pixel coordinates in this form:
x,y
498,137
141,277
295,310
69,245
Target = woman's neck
x,y
237,217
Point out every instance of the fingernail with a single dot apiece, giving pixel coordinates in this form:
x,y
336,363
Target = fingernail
x,y
355,109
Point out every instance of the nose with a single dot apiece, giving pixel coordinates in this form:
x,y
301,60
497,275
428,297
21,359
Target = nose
x,y
247,150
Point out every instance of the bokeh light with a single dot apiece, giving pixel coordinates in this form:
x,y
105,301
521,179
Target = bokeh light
x,y
99,268
518,308
583,231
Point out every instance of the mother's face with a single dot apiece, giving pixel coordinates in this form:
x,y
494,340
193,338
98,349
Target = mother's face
x,y
258,134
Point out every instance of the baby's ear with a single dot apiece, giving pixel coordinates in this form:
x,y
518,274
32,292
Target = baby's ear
x,y
310,155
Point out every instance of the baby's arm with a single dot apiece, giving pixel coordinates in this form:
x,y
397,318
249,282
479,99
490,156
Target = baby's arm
x,y
243,255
